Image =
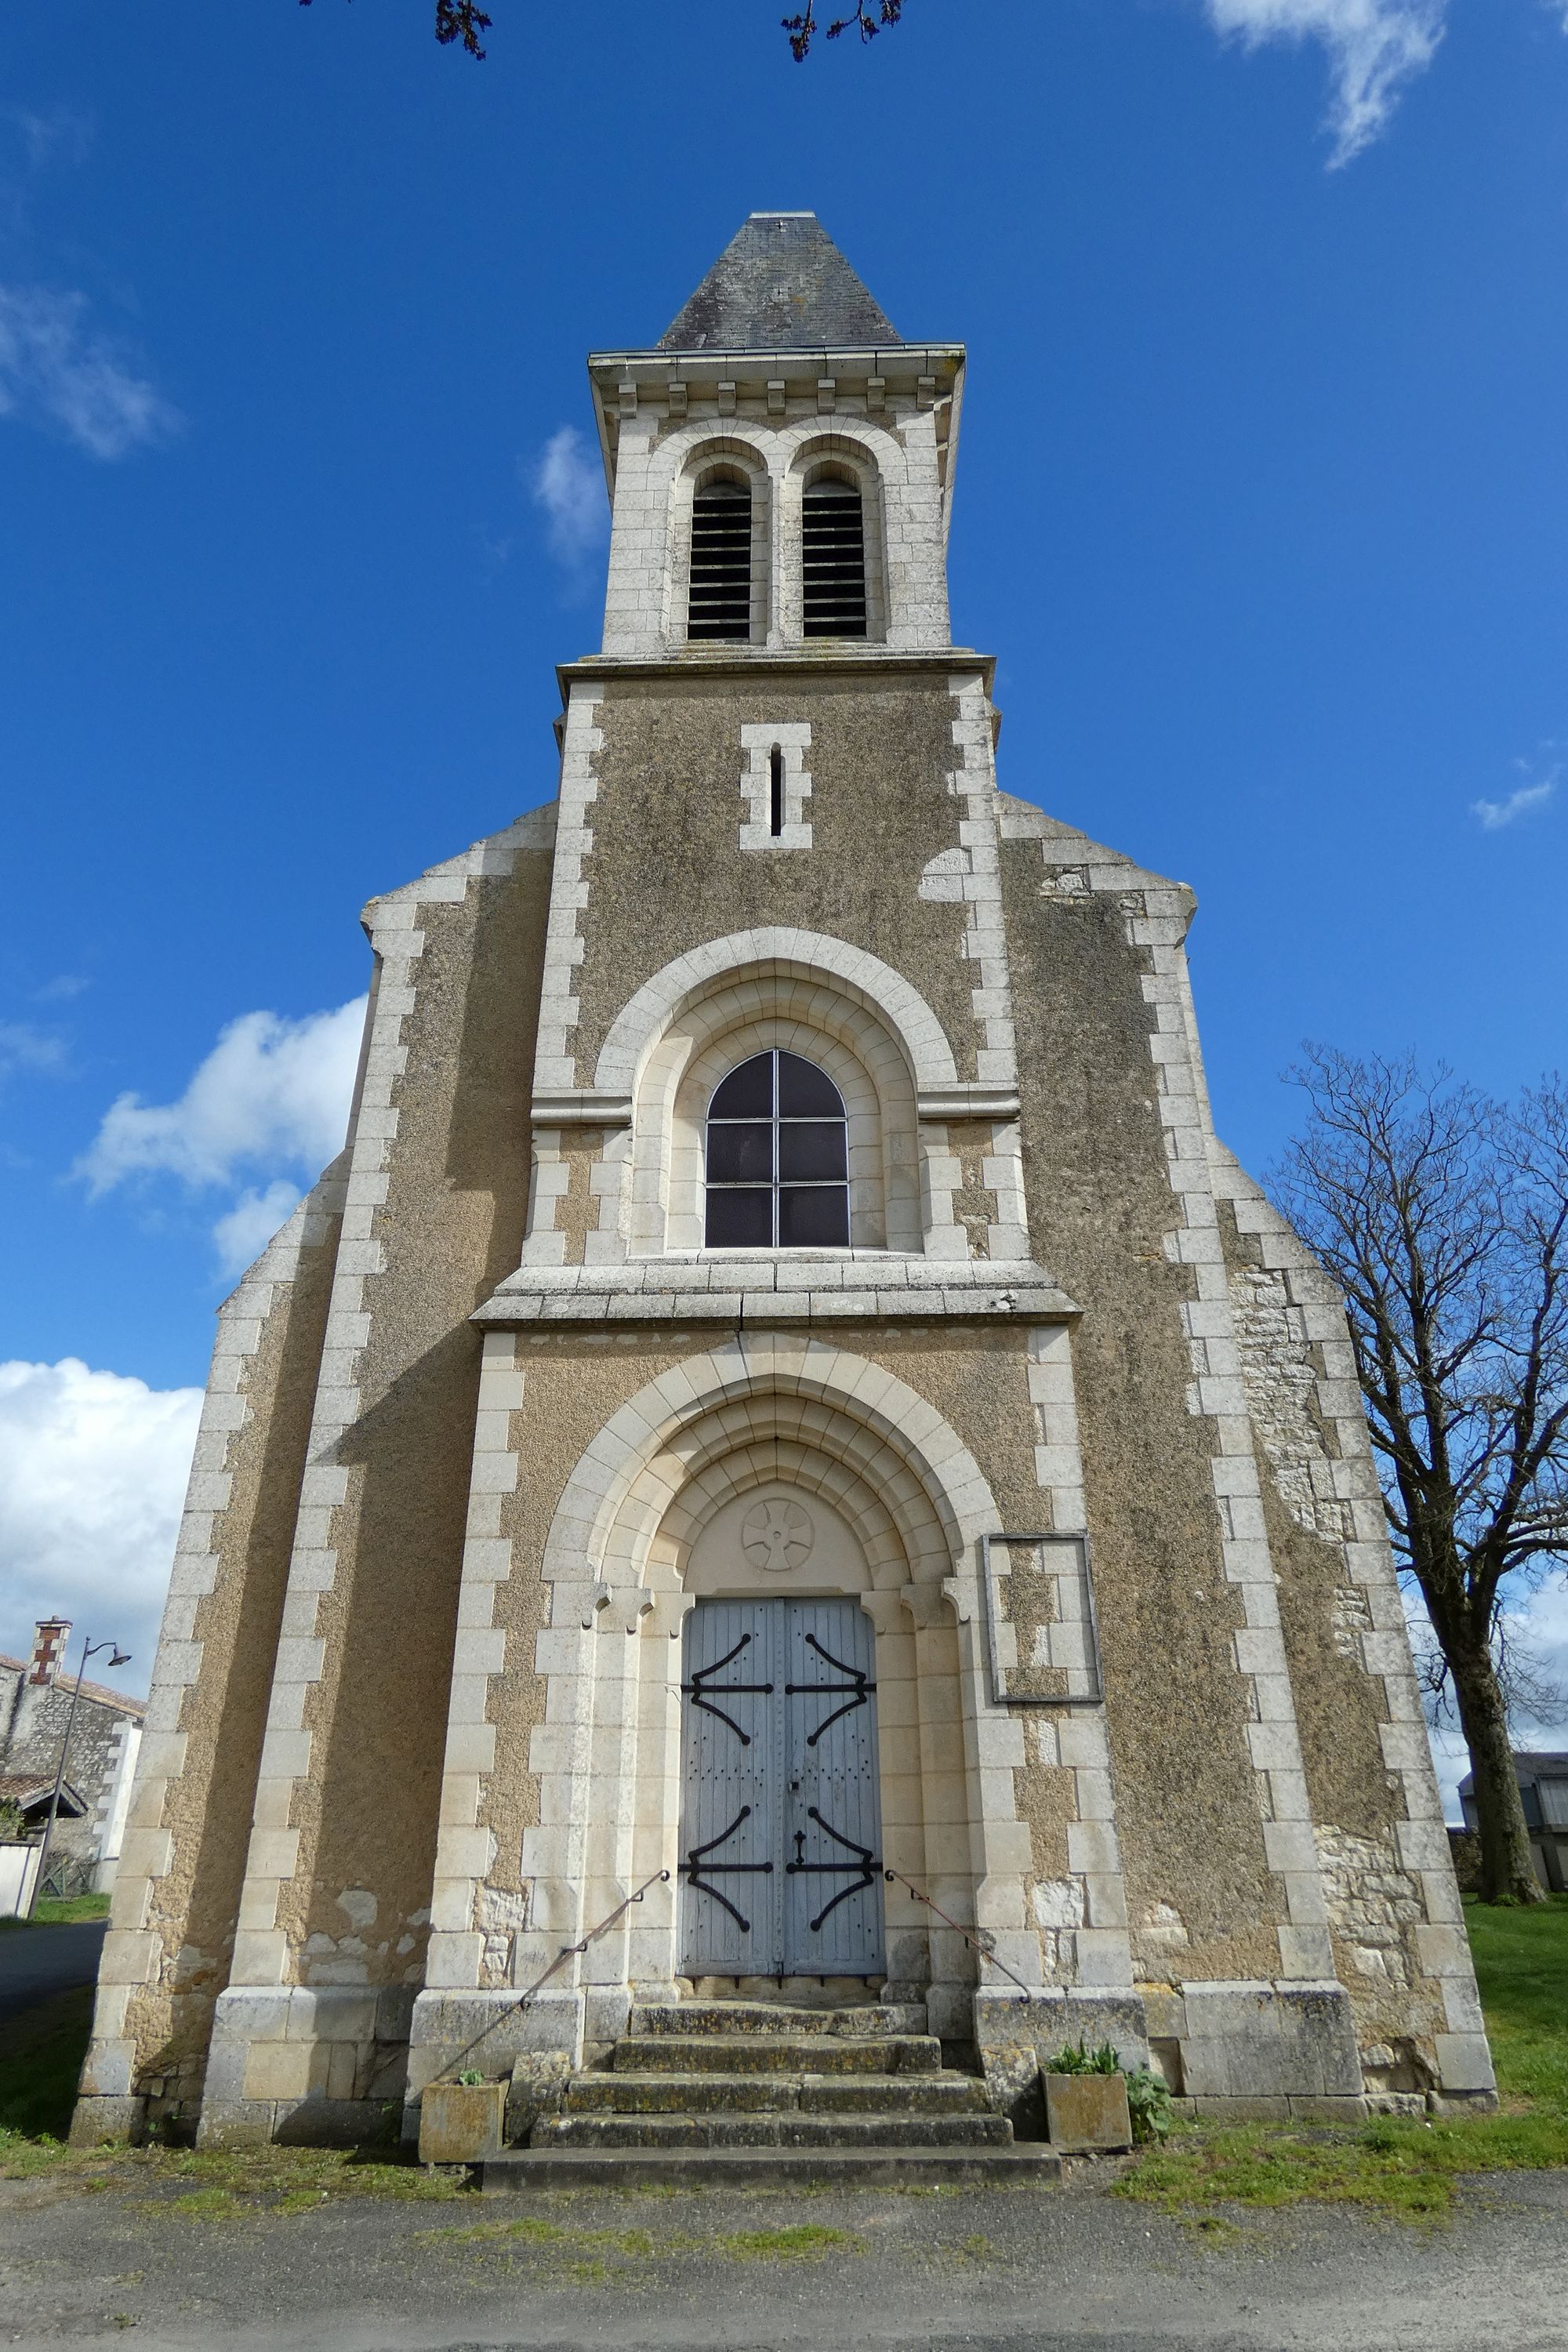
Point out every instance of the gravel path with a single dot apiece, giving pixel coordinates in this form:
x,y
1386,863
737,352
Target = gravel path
x,y
986,2271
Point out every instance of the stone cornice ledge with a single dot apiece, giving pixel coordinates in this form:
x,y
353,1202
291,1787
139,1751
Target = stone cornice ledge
x,y
592,1107
864,1286
819,656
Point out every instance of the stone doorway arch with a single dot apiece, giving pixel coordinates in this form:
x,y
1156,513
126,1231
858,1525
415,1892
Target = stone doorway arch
x,y
763,1414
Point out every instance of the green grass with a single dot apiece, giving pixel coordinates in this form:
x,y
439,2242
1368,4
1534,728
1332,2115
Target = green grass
x,y
60,1911
41,2053
41,2058
219,2184
210,2204
1522,1967
803,2239
797,2241
1397,2166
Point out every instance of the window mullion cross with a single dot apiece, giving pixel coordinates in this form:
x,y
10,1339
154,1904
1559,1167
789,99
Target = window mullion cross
x,y
807,1150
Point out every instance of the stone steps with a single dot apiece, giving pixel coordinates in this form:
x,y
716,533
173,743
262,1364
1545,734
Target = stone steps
x,y
767,2017
763,2083
623,2093
771,2128
783,2054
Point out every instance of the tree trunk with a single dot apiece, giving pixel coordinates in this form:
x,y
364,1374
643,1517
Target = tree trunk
x,y
1508,1871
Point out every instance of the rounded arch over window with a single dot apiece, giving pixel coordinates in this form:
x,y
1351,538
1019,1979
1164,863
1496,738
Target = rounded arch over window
x,y
776,1157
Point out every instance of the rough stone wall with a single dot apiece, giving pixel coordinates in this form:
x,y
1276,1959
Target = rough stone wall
x,y
356,1907
881,810
33,1718
979,1382
569,1389
359,1658
1202,1901
1391,1904
176,1898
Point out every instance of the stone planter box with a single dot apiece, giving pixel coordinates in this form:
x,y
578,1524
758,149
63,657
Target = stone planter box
x,y
1087,2113
460,2123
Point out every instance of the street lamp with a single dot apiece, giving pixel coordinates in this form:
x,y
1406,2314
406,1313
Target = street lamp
x,y
89,1650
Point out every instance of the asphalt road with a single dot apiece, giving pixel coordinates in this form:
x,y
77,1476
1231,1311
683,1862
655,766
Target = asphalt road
x,y
37,1961
1076,2269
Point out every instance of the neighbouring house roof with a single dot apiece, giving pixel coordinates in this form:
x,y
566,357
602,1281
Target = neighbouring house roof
x,y
1530,1764
30,1794
98,1692
780,285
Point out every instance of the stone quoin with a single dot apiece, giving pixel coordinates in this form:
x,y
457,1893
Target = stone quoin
x,y
782,1340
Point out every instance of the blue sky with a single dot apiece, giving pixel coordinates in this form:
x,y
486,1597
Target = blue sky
x,y
1262,507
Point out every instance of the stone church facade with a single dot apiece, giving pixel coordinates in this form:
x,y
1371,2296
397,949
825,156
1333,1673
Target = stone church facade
x,y
782,1234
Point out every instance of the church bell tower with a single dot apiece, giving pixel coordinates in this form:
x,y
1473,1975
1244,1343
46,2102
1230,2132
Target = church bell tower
x,y
786,1483
779,738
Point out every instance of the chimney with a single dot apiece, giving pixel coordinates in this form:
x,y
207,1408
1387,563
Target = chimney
x,y
48,1649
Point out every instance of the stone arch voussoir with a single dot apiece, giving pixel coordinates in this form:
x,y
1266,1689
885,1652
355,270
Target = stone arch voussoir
x,y
775,953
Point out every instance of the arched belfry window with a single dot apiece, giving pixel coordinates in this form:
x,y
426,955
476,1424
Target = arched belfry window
x,y
719,601
777,1158
832,558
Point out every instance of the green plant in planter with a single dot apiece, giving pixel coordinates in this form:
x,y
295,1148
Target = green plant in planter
x,y
1148,2099
1077,2058
1149,2103
471,2079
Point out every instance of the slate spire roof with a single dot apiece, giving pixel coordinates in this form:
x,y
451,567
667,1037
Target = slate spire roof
x,y
781,284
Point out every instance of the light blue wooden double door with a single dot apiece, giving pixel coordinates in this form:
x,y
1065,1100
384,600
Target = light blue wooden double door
x,y
781,1824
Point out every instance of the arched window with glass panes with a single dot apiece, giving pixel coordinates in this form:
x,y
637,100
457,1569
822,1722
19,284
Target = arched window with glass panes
x,y
777,1158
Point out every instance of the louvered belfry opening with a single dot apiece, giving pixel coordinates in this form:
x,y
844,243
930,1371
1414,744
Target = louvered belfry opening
x,y
834,561
720,604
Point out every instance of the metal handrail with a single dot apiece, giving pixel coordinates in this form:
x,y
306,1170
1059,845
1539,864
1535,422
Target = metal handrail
x,y
984,1950
566,1952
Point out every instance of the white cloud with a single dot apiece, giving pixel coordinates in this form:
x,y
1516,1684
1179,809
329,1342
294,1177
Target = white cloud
x,y
23,1046
1538,1628
1450,1761
1373,47
57,372
93,1476
271,1092
55,134
1541,1625
244,1231
272,1097
1495,814
568,483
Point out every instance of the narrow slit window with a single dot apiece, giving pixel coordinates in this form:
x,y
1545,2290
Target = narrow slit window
x,y
720,599
775,791
777,1158
834,561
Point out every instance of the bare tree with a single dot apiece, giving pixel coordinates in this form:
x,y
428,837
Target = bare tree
x,y
800,28
1444,1218
464,21
455,20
